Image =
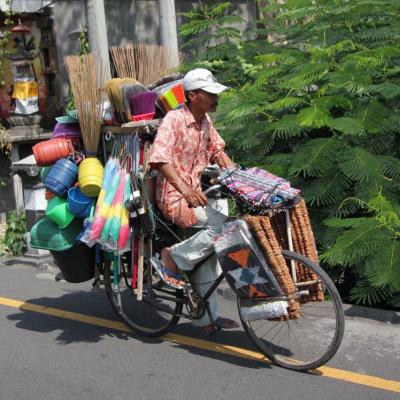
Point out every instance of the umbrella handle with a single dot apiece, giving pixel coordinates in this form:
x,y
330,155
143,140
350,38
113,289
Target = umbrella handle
x,y
127,162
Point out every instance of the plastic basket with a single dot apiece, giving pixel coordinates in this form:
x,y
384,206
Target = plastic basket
x,y
46,234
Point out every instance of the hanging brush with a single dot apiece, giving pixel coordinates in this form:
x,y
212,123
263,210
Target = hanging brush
x,y
87,77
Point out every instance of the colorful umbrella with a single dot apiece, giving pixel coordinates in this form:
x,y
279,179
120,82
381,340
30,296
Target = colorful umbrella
x,y
116,231
111,227
124,231
109,186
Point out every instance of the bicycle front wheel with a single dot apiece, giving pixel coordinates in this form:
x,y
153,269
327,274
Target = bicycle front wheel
x,y
310,340
155,314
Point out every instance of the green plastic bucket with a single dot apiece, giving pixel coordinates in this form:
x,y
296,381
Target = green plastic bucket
x,y
57,210
44,172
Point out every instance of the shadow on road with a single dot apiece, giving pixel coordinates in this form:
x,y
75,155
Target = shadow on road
x,y
94,304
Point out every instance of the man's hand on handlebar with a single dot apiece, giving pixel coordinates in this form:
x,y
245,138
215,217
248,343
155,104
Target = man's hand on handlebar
x,y
195,199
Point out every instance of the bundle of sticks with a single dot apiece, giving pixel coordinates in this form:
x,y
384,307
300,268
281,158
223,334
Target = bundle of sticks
x,y
271,236
145,62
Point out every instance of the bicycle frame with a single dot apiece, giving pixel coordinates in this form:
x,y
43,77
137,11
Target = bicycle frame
x,y
203,299
185,298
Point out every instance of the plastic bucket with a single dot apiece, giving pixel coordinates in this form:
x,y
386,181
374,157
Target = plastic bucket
x,y
77,263
44,171
61,177
58,212
90,176
78,203
173,97
48,152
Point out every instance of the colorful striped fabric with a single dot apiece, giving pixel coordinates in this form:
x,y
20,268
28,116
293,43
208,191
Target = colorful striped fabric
x,y
258,191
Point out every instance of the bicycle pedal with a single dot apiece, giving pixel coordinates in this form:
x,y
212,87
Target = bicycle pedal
x,y
188,287
194,302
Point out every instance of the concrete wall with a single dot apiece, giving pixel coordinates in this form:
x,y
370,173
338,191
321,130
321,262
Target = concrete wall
x,y
69,16
134,21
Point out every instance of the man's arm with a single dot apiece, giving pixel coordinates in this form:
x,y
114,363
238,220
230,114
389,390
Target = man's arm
x,y
225,162
194,199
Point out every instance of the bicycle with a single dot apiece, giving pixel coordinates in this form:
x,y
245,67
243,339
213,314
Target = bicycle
x,y
297,344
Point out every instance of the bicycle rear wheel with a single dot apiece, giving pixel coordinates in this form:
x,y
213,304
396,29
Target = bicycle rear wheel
x,y
309,341
155,314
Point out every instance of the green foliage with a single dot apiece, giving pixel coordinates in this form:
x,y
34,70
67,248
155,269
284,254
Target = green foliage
x,y
14,242
319,103
5,143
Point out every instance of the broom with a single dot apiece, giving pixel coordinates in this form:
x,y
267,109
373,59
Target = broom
x,y
87,77
144,62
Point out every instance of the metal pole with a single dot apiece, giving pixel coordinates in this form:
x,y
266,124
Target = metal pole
x,y
97,32
168,32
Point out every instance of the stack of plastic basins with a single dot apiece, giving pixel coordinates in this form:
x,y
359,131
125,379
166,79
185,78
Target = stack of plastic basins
x,y
59,229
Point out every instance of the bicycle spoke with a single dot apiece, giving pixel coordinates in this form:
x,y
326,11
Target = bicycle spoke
x,y
309,340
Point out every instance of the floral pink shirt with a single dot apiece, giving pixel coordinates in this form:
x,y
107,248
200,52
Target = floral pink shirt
x,y
190,148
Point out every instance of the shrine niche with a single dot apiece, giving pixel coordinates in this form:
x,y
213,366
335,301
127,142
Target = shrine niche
x,y
29,96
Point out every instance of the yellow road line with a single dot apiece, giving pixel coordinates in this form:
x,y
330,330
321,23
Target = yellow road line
x,y
334,373
56,312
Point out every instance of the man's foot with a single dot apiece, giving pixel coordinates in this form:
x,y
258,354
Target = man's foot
x,y
220,323
171,273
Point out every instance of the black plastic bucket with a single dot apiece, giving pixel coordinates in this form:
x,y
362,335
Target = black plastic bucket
x,y
77,263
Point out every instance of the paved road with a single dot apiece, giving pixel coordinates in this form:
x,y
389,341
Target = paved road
x,y
62,341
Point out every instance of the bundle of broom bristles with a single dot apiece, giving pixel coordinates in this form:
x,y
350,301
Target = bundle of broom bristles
x,y
145,62
270,234
87,75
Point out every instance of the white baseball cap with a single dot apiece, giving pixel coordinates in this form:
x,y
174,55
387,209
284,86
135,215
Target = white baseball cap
x,y
201,78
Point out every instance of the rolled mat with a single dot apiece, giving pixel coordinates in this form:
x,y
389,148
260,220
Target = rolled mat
x,y
270,234
260,227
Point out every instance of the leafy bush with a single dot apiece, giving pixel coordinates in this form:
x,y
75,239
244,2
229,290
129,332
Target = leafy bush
x,y
14,241
318,103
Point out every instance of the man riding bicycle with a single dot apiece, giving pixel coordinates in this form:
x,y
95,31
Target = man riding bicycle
x,y
185,144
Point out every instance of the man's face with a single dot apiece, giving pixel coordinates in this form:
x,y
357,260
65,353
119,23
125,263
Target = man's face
x,y
204,101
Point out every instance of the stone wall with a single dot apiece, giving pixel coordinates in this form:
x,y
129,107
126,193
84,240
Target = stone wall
x,y
6,192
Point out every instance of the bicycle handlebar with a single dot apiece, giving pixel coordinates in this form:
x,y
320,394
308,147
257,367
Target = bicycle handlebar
x,y
212,189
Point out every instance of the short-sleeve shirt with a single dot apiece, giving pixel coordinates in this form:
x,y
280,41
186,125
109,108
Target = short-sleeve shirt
x,y
189,148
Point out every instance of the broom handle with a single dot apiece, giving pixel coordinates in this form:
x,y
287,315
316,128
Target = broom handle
x,y
290,244
139,292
